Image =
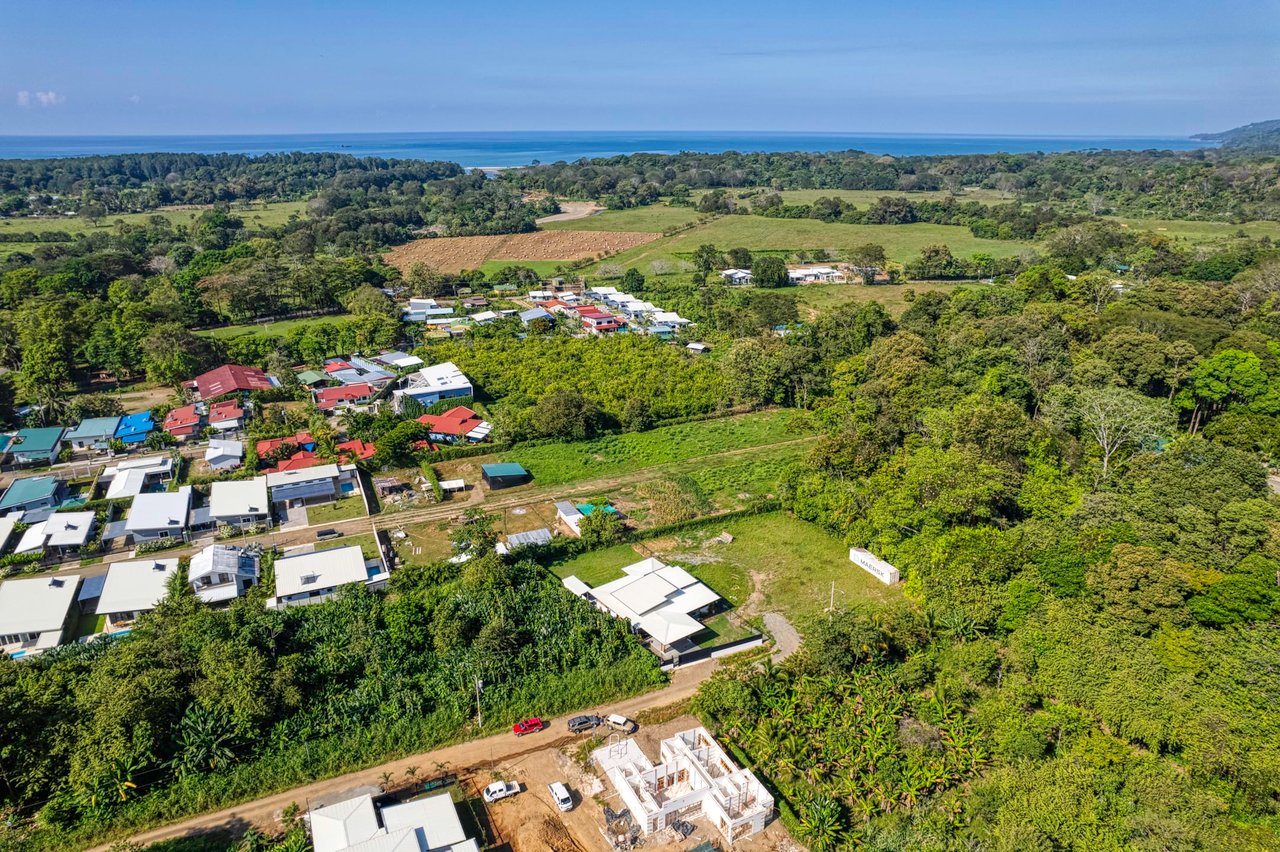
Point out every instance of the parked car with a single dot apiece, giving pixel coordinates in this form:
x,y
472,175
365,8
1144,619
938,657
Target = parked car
x,y
581,724
621,723
500,790
560,795
325,535
528,726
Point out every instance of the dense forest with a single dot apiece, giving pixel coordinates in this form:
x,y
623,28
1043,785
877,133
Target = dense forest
x,y
1190,184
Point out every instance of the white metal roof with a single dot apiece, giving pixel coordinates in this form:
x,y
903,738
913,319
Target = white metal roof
x,y
7,523
166,510
436,816
136,586
32,539
223,448
306,474
68,529
37,604
239,497
321,569
339,826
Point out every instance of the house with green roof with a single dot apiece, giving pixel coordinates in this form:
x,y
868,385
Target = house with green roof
x,y
37,446
94,433
311,378
35,496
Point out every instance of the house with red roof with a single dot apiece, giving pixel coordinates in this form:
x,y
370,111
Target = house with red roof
x,y
456,425
231,378
355,450
343,396
599,321
227,415
185,422
301,460
301,440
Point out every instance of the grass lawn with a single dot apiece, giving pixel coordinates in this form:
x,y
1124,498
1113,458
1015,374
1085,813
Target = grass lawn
x,y
89,624
341,510
270,329
254,216
901,242
794,562
724,484
556,464
817,299
653,219
598,566
720,630
366,542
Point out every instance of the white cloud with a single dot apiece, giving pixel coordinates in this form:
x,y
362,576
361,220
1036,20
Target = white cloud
x,y
135,99
44,100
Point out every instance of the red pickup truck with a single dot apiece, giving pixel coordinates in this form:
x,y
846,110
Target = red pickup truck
x,y
528,726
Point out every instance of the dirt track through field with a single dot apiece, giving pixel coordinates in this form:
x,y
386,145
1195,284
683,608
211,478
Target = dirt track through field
x,y
454,254
464,759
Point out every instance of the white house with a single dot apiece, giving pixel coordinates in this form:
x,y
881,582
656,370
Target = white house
x,y
224,454
810,274
873,565
159,515
429,824
221,573
656,599
531,538
432,384
736,276
61,532
316,576
311,485
484,317
133,588
34,613
241,503
670,318
131,477
693,777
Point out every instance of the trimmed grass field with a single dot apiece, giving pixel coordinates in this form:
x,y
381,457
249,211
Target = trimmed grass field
x,y
557,464
341,510
271,329
365,541
1199,232
653,219
775,563
901,242
256,215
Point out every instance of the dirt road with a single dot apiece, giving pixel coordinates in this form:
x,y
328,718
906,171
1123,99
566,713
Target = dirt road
x,y
469,756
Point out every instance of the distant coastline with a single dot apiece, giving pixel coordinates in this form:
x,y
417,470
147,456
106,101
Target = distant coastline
x,y
496,150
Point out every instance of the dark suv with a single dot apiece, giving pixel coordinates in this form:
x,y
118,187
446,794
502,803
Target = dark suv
x,y
325,535
579,724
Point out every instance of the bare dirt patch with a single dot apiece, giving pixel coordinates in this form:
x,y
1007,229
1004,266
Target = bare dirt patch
x,y
453,254
570,210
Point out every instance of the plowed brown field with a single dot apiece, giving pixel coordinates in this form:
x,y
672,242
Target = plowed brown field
x,y
453,254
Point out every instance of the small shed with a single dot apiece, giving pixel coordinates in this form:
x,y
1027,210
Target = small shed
x,y
504,475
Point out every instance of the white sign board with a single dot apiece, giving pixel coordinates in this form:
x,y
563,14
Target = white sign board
x,y
873,565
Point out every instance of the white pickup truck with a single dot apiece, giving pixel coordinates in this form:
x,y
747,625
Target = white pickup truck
x,y
500,790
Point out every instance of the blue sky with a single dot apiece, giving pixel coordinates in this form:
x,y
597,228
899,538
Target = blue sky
x,y
1038,68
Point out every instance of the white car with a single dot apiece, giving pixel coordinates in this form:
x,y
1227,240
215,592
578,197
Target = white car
x,y
560,795
500,790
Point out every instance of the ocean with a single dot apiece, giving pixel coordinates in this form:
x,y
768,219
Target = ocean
x,y
500,149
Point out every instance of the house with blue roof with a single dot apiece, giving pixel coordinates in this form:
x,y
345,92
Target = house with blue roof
x,y
134,428
35,496
535,314
37,446
94,433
